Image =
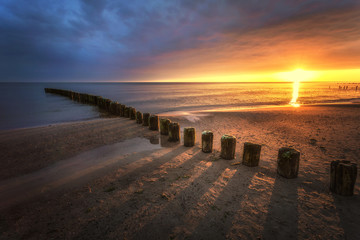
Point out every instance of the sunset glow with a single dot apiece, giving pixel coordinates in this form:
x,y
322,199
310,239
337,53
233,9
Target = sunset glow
x,y
296,76
221,41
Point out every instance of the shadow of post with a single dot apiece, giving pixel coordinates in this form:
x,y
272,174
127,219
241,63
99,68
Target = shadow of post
x,y
282,217
168,215
348,210
218,220
114,219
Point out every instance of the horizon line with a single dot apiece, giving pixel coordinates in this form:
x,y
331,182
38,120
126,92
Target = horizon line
x,y
178,82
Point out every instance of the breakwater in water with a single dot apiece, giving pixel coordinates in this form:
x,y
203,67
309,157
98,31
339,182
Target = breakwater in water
x,y
343,173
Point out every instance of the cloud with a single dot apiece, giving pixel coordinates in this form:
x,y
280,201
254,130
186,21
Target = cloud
x,y
319,41
117,40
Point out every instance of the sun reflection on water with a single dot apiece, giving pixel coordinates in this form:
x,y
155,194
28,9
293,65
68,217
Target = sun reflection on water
x,y
296,77
295,94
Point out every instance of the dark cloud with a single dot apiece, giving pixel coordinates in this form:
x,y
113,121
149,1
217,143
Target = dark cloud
x,y
123,40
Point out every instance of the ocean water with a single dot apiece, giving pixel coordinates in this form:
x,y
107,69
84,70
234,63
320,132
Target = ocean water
x,y
27,105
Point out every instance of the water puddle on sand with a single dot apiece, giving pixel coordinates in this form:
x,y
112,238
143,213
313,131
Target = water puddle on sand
x,y
73,171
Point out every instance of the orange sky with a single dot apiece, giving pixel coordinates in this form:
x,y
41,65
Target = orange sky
x,y
327,43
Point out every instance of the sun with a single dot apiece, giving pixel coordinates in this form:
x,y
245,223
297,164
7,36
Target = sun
x,y
296,76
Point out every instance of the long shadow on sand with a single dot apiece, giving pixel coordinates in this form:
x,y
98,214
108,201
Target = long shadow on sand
x,y
282,217
169,214
124,217
347,209
218,219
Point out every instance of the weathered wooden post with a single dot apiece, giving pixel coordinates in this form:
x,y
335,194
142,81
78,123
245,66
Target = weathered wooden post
x,y
207,141
96,98
189,136
132,113
113,107
228,146
343,177
82,97
154,122
77,97
89,99
118,109
72,96
146,117
251,155
174,132
122,110
164,126
107,104
102,103
99,101
288,162
139,117
127,112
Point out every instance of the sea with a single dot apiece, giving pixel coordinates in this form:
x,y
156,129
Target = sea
x,y
24,105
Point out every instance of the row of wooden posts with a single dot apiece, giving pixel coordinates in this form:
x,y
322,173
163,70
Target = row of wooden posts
x,y
342,175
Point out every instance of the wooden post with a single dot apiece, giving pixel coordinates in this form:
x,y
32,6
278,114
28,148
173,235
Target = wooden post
x,y
107,104
99,102
86,98
73,96
207,141
288,162
91,99
77,97
189,136
96,98
154,123
174,132
118,109
146,117
132,113
228,146
113,106
164,126
139,117
122,110
251,155
103,103
343,177
127,112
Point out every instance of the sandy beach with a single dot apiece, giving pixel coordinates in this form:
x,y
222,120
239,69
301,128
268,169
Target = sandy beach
x,y
111,178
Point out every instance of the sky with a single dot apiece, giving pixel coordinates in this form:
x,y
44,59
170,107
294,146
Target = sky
x,y
160,40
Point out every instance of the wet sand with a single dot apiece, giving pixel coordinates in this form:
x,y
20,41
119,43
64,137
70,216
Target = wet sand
x,y
168,191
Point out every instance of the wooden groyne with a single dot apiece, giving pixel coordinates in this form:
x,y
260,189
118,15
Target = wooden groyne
x,y
342,175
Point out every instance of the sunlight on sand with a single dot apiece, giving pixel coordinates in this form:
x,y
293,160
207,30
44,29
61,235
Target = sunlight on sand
x,y
148,212
254,206
206,202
